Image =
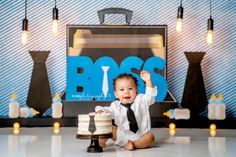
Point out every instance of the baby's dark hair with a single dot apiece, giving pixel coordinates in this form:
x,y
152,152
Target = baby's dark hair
x,y
125,76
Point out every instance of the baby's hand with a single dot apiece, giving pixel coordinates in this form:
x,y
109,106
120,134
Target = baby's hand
x,y
99,112
145,75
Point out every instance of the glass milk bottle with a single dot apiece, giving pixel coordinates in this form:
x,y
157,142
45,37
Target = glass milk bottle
x,y
27,112
57,106
14,107
178,113
211,107
220,108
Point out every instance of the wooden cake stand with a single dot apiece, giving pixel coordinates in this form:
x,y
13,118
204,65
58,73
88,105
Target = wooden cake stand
x,y
94,146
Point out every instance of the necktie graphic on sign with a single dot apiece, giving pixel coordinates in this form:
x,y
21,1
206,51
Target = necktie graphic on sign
x,y
133,126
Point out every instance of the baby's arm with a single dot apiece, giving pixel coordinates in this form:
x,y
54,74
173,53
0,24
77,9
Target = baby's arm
x,y
100,109
151,91
146,77
105,109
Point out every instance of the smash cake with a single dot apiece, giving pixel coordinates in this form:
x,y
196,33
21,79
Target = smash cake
x,y
94,124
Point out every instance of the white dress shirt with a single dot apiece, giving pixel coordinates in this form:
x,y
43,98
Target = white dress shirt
x,y
140,108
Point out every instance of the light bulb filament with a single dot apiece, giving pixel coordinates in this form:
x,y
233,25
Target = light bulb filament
x,y
179,25
55,26
210,38
24,37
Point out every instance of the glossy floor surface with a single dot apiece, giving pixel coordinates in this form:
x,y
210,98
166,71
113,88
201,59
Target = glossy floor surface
x,y
45,142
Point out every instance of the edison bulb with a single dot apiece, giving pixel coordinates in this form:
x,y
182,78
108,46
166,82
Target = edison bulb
x,y
24,37
179,25
212,127
210,38
16,125
56,125
55,27
171,126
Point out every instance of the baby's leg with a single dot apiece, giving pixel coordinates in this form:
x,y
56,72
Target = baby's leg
x,y
102,142
114,129
129,145
145,141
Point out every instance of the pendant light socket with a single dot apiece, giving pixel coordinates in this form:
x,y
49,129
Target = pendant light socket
x,y
180,13
55,14
210,24
25,25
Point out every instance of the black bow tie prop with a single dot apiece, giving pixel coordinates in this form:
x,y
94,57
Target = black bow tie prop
x,y
133,126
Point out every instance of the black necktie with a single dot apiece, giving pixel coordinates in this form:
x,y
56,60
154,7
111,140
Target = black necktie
x,y
133,126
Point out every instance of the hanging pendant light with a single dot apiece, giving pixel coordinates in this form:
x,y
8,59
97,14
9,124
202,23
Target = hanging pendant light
x,y
210,25
24,37
179,22
55,19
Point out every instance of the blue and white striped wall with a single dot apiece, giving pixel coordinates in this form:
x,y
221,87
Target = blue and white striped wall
x,y
218,65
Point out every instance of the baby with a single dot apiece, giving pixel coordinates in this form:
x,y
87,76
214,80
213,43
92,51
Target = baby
x,y
131,112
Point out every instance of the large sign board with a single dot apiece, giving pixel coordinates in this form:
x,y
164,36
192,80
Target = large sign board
x,y
97,54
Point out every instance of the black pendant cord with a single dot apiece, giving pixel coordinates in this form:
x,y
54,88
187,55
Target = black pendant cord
x,y
210,8
180,11
25,21
25,9
55,3
210,21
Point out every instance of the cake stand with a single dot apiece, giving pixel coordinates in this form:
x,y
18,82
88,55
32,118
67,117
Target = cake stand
x,y
94,146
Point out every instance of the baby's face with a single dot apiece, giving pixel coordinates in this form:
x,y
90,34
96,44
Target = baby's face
x,y
126,90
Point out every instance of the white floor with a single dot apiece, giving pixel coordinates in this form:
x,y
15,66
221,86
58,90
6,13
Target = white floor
x,y
43,142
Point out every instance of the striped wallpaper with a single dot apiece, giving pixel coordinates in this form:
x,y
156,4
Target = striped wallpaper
x,y
218,65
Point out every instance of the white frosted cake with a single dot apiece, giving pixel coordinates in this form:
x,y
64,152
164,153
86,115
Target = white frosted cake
x,y
94,124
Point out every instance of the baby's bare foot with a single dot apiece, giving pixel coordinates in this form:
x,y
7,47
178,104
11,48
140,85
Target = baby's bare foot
x,y
102,143
129,145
